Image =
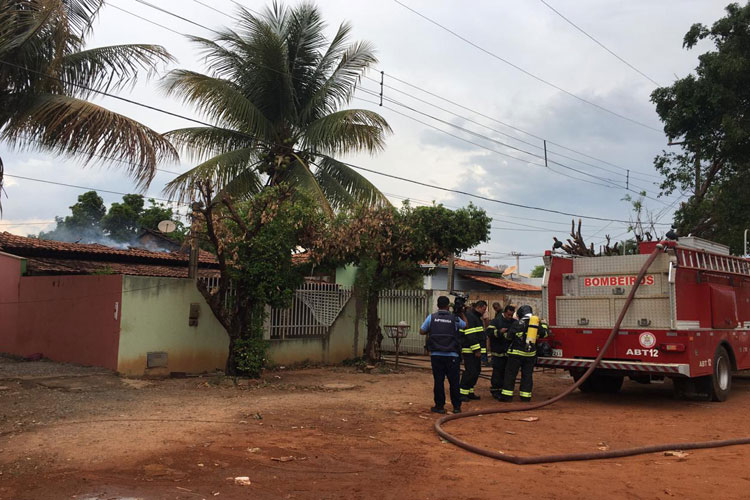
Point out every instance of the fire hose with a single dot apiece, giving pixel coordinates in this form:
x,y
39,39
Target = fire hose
x,y
569,457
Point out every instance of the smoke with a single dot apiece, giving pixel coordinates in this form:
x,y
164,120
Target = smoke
x,y
95,235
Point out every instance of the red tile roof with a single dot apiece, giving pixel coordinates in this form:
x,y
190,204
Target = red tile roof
x,y
28,247
44,265
467,264
504,283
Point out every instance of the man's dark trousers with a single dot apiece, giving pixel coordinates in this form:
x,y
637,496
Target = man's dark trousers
x,y
442,367
498,374
472,369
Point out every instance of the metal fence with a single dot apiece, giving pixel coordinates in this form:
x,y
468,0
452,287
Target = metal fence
x,y
410,306
314,309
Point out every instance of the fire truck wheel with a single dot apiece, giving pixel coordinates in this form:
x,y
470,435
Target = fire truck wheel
x,y
721,380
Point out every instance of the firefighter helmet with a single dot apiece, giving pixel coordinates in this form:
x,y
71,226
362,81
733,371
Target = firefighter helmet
x,y
523,311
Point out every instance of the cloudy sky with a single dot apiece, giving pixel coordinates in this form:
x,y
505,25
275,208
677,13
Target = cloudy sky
x,y
495,108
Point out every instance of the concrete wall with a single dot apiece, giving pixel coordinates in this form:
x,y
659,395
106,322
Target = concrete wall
x,y
10,289
345,340
346,275
155,314
73,319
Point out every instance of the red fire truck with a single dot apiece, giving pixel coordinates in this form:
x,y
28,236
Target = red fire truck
x,y
689,320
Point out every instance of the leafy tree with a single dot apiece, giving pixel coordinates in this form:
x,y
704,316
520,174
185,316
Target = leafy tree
x,y
254,241
707,114
276,91
390,244
83,223
47,73
537,271
91,222
122,222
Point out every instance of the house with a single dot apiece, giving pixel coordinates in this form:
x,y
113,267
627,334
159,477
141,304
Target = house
x,y
127,309
159,242
482,282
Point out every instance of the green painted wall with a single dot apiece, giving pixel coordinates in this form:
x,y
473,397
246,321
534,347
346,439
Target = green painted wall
x,y
155,314
345,340
345,275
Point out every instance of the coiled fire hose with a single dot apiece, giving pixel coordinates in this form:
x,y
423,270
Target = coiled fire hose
x,y
569,457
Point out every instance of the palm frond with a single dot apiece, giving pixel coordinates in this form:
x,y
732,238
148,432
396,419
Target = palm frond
x,y
220,170
219,100
110,68
335,177
339,86
72,126
347,131
299,175
245,185
326,64
201,143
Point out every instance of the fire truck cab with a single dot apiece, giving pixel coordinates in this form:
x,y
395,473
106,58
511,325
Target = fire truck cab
x,y
689,320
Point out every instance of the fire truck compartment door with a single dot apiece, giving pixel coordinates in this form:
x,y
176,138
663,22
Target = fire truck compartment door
x,y
651,312
723,307
601,312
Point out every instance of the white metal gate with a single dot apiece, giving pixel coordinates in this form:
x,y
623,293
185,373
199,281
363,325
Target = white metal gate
x,y
314,309
410,306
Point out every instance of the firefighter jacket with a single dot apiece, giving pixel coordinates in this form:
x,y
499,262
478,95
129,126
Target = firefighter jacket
x,y
474,338
498,343
523,335
443,334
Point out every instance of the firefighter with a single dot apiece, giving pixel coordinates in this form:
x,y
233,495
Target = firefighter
x,y
522,335
473,346
499,326
443,343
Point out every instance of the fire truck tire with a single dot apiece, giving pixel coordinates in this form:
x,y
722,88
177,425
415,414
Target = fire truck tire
x,y
720,382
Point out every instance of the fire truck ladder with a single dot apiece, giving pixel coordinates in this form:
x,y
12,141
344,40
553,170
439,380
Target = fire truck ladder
x,y
703,261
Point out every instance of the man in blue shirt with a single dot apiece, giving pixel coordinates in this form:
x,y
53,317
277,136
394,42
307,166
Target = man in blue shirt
x,y
443,342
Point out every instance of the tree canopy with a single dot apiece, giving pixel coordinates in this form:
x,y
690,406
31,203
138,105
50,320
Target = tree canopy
x,y
47,74
389,245
91,222
707,116
276,91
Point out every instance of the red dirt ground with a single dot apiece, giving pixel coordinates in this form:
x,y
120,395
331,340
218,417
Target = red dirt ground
x,y
97,437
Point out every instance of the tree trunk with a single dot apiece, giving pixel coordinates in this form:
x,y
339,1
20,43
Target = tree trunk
x,y
374,332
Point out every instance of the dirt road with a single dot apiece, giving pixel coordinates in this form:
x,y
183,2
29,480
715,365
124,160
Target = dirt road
x,y
334,433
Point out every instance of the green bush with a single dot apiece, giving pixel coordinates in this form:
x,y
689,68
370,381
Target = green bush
x,y
250,356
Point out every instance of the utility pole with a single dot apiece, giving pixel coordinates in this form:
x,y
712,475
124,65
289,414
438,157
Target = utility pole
x,y
517,255
451,267
478,254
193,259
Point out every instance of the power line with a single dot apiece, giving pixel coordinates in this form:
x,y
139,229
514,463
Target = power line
x,y
465,193
273,69
612,184
600,44
530,134
479,197
526,72
476,134
145,19
165,11
85,188
479,145
528,143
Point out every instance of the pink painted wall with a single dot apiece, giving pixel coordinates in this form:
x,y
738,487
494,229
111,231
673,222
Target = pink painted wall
x,y
10,283
74,319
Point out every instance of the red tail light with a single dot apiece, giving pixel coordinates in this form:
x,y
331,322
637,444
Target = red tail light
x,y
672,347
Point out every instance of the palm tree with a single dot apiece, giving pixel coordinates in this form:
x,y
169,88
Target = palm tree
x,y
274,92
46,77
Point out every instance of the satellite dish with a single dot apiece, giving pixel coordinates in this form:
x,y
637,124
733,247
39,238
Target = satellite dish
x,y
167,226
510,270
